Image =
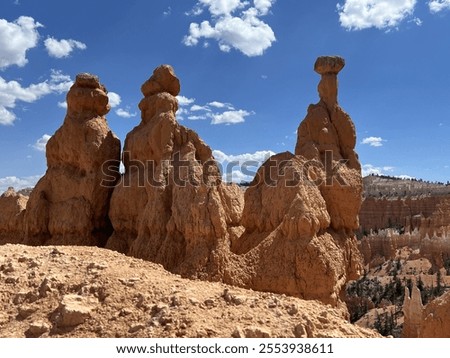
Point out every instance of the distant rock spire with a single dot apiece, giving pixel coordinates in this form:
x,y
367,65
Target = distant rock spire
x,y
412,309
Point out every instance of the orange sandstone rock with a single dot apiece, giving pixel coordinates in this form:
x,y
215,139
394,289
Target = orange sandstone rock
x,y
12,211
69,205
170,206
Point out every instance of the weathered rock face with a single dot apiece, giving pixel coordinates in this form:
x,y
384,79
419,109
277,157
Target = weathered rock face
x,y
327,134
170,206
12,211
436,318
69,205
301,210
431,321
412,310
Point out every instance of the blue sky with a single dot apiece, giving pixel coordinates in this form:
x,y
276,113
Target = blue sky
x,y
246,71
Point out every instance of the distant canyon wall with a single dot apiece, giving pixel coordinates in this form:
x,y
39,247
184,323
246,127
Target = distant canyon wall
x,y
420,222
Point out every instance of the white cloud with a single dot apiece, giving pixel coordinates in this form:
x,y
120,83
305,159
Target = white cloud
x,y
218,104
16,38
224,113
181,112
245,32
18,183
12,92
240,167
62,48
125,113
221,7
263,6
114,99
184,101
168,12
196,108
196,10
438,5
381,14
373,141
196,118
41,143
230,117
405,177
259,156
368,169
62,104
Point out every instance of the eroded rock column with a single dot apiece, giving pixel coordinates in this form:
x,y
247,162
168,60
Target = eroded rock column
x,y
69,205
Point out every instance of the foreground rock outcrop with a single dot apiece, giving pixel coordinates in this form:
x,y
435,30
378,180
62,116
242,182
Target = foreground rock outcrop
x,y
69,205
90,292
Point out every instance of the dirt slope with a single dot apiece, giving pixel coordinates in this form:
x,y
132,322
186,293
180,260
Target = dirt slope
x,y
65,291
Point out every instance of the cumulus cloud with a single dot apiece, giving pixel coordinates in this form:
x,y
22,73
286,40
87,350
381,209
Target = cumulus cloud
x,y
218,104
125,113
230,117
62,48
41,143
18,183
368,169
197,118
218,112
373,141
259,156
16,38
438,5
233,24
380,14
184,101
114,99
241,167
196,108
11,92
62,104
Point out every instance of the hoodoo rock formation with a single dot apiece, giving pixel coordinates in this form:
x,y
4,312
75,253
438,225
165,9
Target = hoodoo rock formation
x,y
293,233
431,321
412,310
436,318
301,210
12,211
69,205
170,206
